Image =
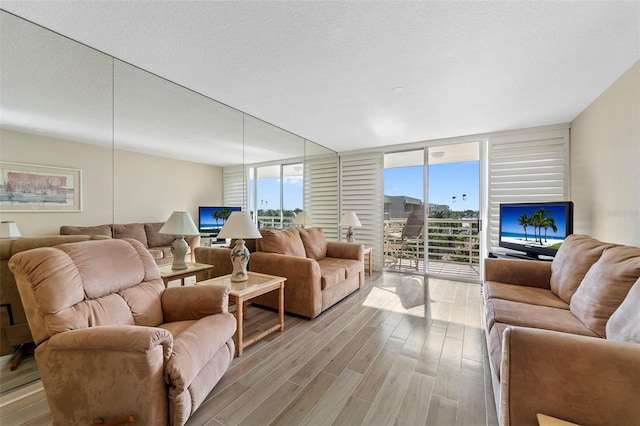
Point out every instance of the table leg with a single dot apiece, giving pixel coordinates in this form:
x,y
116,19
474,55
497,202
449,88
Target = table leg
x,y
239,317
281,306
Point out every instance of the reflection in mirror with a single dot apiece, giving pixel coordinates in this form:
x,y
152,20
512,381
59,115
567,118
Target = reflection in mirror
x,y
56,154
171,146
142,145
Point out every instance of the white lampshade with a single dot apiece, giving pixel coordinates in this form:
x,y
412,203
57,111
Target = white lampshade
x,y
239,225
350,219
179,223
9,229
303,219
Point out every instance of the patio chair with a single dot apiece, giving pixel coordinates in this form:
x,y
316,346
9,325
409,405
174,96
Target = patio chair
x,y
410,244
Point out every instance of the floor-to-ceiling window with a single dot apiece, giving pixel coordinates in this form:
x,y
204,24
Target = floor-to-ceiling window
x,y
277,194
432,210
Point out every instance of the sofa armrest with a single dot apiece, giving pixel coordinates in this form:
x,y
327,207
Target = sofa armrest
x,y
219,257
345,250
116,338
529,273
585,380
106,371
302,289
194,302
194,242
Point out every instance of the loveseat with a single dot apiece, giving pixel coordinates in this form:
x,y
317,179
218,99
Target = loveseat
x,y
159,245
113,342
319,273
563,337
14,330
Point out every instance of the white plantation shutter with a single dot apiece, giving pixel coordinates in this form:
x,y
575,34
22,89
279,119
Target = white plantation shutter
x,y
526,168
361,191
235,187
321,193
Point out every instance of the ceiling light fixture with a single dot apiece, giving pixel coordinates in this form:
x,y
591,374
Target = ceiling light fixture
x,y
437,154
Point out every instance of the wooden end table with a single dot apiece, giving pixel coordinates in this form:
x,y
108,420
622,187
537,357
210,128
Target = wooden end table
x,y
368,251
241,292
167,274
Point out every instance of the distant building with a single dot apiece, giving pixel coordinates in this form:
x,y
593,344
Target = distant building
x,y
400,206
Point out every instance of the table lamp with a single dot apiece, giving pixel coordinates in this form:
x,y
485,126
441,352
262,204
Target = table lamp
x,y
179,224
302,219
9,229
350,219
239,225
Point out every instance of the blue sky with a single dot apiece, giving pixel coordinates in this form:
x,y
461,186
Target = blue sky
x,y
445,181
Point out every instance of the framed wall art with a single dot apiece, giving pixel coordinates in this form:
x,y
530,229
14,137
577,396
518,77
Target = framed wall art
x,y
34,188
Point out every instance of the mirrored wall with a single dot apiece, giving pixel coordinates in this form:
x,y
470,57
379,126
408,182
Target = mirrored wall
x,y
144,146
129,145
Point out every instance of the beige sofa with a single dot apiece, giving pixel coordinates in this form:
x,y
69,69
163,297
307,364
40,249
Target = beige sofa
x,y
113,342
14,330
319,273
563,337
159,245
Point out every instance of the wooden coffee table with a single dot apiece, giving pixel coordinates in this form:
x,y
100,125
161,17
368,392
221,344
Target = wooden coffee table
x,y
167,274
242,292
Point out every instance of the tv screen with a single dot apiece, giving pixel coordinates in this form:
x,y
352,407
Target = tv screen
x,y
212,219
535,228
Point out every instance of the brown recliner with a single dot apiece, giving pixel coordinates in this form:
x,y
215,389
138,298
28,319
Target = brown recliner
x,y
112,341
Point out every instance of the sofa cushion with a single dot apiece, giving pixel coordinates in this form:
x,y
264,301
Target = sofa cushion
x,y
315,244
86,230
605,287
520,293
334,271
283,241
574,258
155,238
131,230
624,323
534,316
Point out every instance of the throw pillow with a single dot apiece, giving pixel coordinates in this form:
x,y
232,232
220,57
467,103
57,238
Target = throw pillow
x,y
131,230
315,245
624,324
605,286
574,258
286,241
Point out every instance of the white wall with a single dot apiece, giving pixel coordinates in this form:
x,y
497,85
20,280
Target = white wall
x,y
605,163
147,188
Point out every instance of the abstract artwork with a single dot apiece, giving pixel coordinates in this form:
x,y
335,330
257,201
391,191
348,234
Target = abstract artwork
x,y
33,188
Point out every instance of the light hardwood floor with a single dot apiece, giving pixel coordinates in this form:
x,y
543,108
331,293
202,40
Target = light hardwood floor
x,y
379,357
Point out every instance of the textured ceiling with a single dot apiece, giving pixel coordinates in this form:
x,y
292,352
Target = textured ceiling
x,y
327,70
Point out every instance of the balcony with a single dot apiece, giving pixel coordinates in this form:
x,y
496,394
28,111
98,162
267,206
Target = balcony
x,y
452,248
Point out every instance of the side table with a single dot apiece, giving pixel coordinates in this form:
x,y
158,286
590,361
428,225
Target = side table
x,y
368,251
193,269
242,292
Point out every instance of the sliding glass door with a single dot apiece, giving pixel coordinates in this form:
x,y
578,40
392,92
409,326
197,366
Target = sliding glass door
x,y
432,211
452,231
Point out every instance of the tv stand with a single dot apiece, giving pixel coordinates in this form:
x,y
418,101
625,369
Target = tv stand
x,y
524,256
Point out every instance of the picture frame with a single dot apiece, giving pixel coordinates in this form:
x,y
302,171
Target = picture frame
x,y
37,188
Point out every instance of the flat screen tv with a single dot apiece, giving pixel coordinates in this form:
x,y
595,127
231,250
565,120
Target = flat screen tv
x,y
212,219
535,229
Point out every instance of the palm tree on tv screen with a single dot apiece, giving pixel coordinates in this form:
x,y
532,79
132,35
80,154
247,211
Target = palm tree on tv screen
x,y
524,220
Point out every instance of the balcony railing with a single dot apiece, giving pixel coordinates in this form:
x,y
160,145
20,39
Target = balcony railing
x,y
448,241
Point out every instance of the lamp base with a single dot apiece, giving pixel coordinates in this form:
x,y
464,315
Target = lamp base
x,y
179,249
239,259
351,236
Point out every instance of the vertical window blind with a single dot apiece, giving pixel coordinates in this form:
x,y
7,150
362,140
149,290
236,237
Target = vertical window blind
x,y
361,191
235,193
523,168
321,193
